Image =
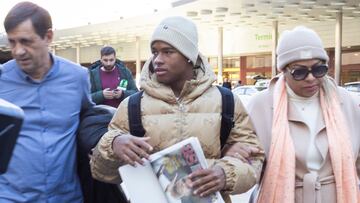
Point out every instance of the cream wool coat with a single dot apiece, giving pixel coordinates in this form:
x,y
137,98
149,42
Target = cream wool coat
x,y
168,120
309,187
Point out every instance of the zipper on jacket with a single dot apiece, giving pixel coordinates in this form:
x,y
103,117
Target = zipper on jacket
x,y
182,121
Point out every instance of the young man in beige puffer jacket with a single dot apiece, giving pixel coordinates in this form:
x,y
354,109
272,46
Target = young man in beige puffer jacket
x,y
179,101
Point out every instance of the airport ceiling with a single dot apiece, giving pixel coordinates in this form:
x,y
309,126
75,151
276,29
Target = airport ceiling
x,y
207,13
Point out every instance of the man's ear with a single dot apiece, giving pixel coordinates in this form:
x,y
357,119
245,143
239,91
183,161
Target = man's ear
x,y
49,35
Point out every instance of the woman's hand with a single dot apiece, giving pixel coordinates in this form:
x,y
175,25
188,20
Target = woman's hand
x,y
130,149
207,181
241,151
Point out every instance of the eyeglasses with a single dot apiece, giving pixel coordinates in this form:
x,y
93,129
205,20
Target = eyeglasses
x,y
300,72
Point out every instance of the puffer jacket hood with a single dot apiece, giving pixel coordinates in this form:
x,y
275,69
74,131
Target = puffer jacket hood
x,y
192,89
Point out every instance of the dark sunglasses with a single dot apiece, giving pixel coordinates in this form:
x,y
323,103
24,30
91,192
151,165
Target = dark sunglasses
x,y
300,72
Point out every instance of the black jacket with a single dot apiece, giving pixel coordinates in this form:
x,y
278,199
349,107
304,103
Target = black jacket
x,y
93,126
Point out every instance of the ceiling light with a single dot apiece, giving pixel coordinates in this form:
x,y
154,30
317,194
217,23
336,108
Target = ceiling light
x,y
338,3
292,4
278,12
278,7
219,16
252,11
326,15
181,2
334,10
308,1
306,8
329,19
265,2
349,7
249,5
191,13
350,17
322,6
221,9
206,21
303,14
206,12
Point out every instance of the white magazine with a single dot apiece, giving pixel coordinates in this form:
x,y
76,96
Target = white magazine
x,y
162,178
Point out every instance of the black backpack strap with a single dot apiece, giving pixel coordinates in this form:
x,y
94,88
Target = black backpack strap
x,y
134,113
227,114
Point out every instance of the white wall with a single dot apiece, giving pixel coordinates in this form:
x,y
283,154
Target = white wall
x,y
128,51
89,54
124,51
237,41
69,54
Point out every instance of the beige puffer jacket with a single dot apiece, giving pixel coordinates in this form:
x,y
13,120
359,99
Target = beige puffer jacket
x,y
168,120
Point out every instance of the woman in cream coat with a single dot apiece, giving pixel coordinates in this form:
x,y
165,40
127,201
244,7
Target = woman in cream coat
x,y
308,126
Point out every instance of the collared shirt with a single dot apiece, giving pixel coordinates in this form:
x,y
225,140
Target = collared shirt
x,y
43,164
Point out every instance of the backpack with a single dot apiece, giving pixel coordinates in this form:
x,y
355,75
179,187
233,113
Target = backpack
x,y
227,114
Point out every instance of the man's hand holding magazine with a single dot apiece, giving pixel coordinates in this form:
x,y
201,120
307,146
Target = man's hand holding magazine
x,y
207,181
131,149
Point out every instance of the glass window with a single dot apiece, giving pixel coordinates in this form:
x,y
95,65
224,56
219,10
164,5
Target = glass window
x,y
258,61
231,68
350,58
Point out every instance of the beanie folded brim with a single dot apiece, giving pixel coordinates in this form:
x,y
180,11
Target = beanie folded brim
x,y
180,33
301,53
178,41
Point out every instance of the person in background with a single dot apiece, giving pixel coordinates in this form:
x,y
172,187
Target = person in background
x,y
51,91
238,84
308,127
227,83
179,101
111,81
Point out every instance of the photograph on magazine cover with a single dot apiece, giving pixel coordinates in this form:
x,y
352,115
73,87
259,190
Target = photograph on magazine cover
x,y
172,170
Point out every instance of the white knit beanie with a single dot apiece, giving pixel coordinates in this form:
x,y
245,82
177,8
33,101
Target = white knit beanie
x,y
301,43
180,33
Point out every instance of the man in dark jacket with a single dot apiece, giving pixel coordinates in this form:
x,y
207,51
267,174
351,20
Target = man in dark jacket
x,y
111,81
227,83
